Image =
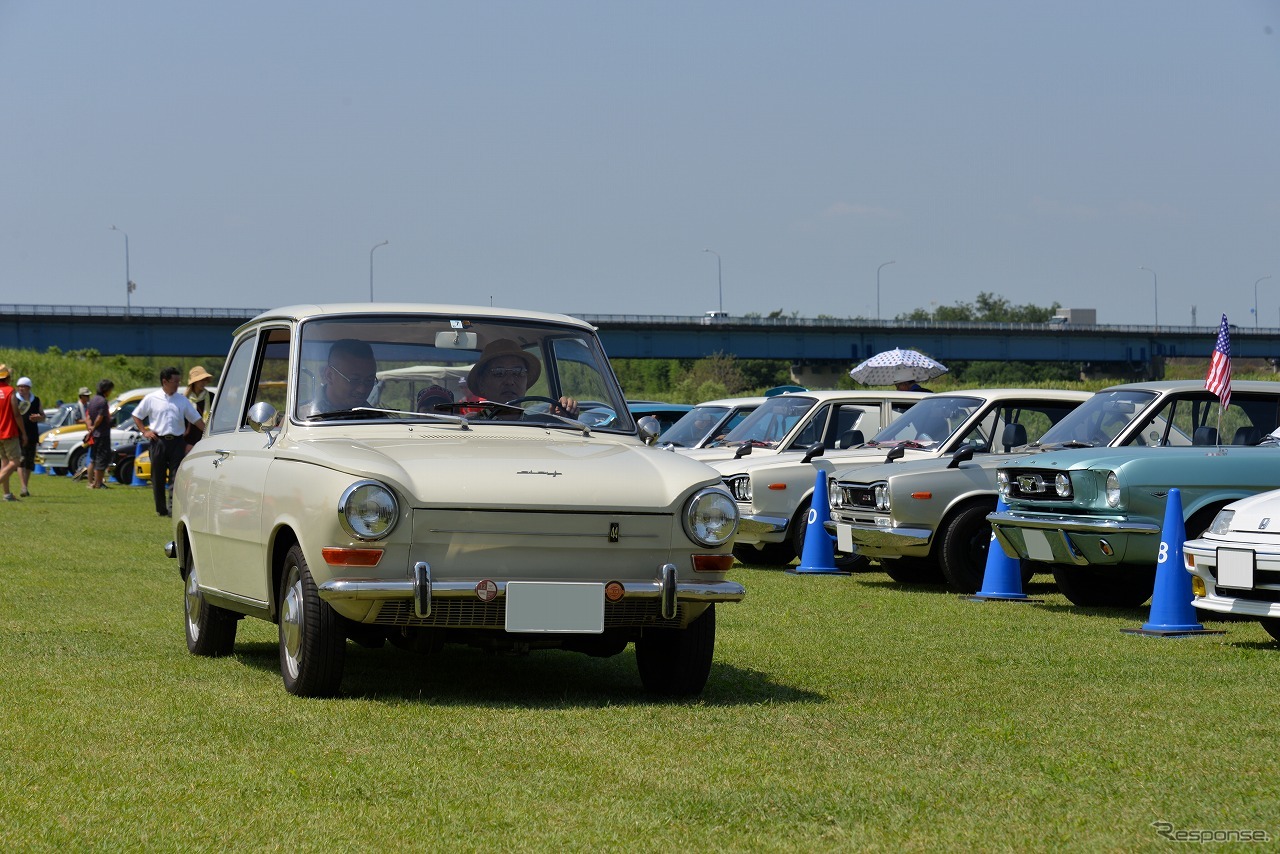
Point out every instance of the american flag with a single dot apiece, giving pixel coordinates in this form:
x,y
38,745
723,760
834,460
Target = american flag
x,y
1219,379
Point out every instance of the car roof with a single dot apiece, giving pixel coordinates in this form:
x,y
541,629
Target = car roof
x,y
1196,385
304,311
735,401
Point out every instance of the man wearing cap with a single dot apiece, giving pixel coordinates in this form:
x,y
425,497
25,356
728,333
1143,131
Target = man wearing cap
x,y
504,373
32,414
13,437
82,404
162,417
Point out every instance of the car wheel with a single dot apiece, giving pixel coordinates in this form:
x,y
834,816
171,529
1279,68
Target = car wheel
x,y
800,528
1113,587
1271,626
676,662
77,460
965,544
124,471
211,631
768,554
313,648
913,570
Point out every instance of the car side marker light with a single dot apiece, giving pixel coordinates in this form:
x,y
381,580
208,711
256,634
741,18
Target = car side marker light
x,y
351,557
778,486
923,496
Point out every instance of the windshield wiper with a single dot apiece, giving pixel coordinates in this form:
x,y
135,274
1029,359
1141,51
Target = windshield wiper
x,y
368,412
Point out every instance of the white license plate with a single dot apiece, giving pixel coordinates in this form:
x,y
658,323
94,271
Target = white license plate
x,y
1037,543
844,539
1235,568
542,606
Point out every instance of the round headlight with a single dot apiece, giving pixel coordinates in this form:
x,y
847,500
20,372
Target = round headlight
x,y
1062,485
1002,483
710,517
835,495
1113,489
368,510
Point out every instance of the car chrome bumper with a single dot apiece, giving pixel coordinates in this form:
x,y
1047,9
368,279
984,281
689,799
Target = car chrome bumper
x,y
875,541
1079,540
422,587
757,528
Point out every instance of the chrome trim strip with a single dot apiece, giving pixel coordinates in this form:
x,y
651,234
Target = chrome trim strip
x,y
339,589
213,592
763,524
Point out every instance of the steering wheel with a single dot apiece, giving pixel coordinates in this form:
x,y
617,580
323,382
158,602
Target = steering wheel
x,y
519,400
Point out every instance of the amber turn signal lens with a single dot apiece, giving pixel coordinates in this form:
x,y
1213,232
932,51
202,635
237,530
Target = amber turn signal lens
x,y
712,563
1197,586
351,557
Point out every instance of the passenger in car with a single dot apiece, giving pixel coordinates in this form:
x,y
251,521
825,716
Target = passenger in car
x,y
504,373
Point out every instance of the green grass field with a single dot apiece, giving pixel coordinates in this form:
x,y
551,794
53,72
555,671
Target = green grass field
x,y
842,713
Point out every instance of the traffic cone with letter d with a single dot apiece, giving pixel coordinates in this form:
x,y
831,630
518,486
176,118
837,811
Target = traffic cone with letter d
x,y
819,557
1172,613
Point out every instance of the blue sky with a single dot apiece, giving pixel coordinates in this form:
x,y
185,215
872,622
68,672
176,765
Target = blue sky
x,y
580,156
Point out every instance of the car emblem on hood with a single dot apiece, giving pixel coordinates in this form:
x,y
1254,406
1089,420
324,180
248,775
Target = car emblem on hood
x,y
547,473
1266,520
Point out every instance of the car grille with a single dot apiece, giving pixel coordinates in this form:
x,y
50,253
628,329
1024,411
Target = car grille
x,y
1266,587
472,613
1033,485
856,497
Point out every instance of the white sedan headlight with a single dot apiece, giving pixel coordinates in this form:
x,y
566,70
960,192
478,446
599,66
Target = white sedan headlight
x,y
1222,522
368,510
710,517
1113,489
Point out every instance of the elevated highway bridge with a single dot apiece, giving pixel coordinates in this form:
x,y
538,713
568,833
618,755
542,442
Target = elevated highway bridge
x,y
812,345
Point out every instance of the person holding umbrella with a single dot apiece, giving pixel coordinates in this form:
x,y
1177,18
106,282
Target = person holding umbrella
x,y
903,369
905,380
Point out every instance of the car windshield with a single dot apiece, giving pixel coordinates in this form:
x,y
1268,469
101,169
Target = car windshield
x,y
693,427
929,423
443,367
770,423
1097,421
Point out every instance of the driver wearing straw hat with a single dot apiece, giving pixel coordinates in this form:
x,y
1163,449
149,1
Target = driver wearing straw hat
x,y
504,372
905,380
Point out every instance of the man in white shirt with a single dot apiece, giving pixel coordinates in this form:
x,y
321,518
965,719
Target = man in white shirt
x,y
162,416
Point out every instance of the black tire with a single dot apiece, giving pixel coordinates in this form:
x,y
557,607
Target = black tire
x,y
211,631
769,554
677,662
78,461
1271,626
800,528
124,471
913,570
965,542
313,648
1109,587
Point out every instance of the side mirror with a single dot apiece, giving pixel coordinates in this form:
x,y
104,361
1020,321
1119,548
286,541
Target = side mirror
x,y
896,454
263,418
743,450
650,427
964,454
814,450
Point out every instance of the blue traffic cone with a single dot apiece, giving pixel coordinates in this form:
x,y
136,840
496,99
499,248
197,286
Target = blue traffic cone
x,y
1002,578
819,556
137,452
39,469
1172,613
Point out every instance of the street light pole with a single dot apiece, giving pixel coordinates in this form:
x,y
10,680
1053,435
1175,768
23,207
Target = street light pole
x,y
375,246
129,286
1255,300
719,280
1155,293
878,269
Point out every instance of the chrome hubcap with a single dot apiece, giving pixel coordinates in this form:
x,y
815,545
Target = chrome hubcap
x,y
291,624
194,603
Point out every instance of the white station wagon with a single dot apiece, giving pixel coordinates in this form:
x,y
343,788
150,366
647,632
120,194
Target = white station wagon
x,y
415,474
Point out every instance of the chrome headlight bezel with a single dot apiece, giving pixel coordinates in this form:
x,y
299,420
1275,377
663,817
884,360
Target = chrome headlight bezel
x,y
1113,489
835,494
1062,486
710,517
1002,484
368,510
880,497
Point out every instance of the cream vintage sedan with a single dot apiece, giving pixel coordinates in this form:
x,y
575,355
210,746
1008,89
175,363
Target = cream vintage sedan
x,y
415,474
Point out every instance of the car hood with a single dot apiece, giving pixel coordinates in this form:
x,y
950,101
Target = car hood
x,y
556,470
920,468
1250,512
1085,458
708,455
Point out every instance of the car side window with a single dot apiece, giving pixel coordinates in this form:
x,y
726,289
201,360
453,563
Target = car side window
x,y
812,432
271,378
232,388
